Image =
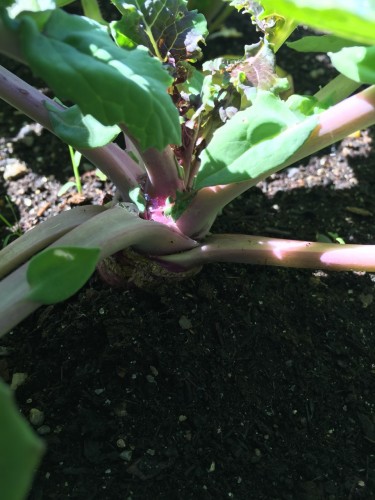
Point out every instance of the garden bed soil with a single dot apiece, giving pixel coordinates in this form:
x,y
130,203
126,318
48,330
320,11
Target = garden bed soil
x,y
242,382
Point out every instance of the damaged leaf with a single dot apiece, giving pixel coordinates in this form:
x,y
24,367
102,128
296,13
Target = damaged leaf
x,y
270,21
258,69
351,19
166,28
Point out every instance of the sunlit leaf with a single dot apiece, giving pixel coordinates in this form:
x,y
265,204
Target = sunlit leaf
x,y
58,273
352,19
357,63
65,188
253,142
80,62
322,43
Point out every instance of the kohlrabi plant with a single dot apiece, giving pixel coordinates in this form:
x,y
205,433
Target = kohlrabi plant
x,y
195,138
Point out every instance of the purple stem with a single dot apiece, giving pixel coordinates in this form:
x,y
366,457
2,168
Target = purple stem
x,y
111,231
162,178
339,121
42,235
162,169
274,252
110,159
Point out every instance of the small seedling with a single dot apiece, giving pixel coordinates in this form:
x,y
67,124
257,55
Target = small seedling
x,y
15,231
75,157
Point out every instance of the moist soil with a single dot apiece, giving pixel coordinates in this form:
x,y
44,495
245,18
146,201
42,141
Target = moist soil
x,y
242,382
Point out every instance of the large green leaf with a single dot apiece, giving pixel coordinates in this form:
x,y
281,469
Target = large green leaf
x,y
352,19
254,142
20,449
80,62
79,130
357,63
321,43
58,273
164,26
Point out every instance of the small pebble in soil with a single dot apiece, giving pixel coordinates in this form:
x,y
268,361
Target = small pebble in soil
x,y
43,430
36,417
185,323
17,380
14,170
126,455
120,443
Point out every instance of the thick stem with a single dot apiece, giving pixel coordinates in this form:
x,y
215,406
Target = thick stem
x,y
275,252
42,235
162,169
339,121
110,159
111,231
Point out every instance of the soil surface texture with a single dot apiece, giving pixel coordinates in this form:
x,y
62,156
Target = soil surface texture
x,y
242,382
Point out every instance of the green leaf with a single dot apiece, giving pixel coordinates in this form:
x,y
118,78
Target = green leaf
x,y
254,142
20,449
6,3
164,26
352,19
65,188
258,69
79,130
80,62
303,105
356,63
138,199
276,27
194,81
322,43
177,206
58,273
91,9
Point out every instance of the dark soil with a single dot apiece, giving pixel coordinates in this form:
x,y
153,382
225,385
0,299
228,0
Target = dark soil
x,y
242,382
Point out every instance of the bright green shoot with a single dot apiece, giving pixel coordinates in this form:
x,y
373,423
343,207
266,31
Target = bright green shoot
x,y
75,157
